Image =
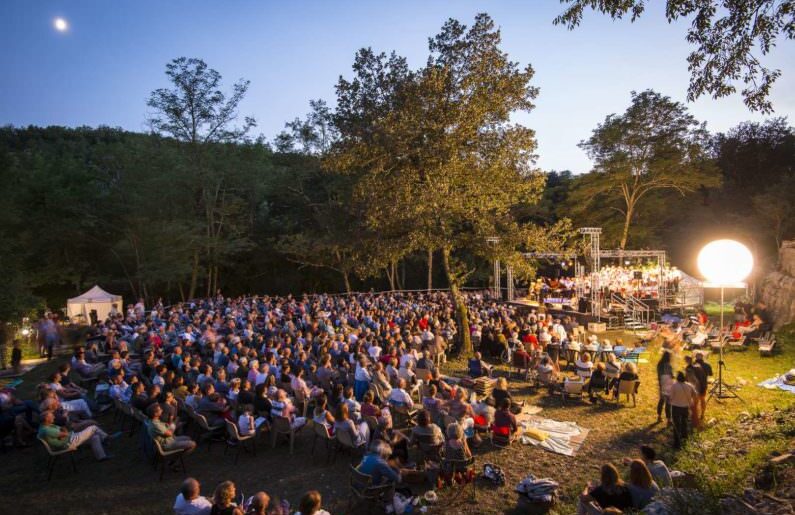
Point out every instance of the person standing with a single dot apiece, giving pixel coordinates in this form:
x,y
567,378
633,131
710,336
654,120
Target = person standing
x,y
50,332
665,379
683,395
707,368
697,376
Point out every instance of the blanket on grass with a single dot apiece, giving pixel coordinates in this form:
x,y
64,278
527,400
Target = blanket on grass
x,y
560,437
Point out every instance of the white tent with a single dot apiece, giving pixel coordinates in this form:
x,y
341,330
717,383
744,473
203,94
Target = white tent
x,y
79,308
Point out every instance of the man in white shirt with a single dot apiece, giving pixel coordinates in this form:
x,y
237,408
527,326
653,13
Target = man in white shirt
x,y
682,397
190,501
399,397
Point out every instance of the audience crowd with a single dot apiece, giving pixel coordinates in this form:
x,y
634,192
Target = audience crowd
x,y
363,368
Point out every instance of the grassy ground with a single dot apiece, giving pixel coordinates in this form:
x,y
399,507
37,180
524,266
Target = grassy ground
x,y
127,484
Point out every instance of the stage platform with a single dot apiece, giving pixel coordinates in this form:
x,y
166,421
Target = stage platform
x,y
526,305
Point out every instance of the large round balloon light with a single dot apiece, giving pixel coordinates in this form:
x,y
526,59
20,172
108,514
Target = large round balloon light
x,y
725,261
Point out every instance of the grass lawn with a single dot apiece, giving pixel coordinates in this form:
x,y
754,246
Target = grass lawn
x,y
127,484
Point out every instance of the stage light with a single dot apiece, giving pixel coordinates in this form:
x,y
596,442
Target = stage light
x,y
725,262
60,24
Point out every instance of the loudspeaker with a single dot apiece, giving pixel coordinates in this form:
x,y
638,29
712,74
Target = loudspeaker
x,y
638,275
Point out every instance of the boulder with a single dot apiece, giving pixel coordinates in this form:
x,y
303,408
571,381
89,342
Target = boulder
x,y
778,287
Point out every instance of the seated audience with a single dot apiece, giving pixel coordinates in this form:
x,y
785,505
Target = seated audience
x,y
190,501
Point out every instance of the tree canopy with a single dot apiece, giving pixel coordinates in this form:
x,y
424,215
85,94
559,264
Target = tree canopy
x,y
729,37
655,145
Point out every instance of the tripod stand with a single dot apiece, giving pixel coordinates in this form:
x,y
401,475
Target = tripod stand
x,y
720,389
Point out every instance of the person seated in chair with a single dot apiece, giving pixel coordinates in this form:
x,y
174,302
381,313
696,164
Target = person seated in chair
x,y
426,428
190,501
60,438
598,382
425,362
548,372
282,407
163,433
360,433
504,421
399,397
521,356
501,392
630,373
213,406
478,367
375,464
584,366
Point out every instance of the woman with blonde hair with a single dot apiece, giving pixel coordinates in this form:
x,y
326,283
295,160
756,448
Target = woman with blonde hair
x,y
641,485
501,392
223,500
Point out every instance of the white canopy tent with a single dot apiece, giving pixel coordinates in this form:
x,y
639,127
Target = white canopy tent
x,y
96,299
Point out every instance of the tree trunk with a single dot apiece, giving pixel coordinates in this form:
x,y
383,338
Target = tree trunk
x,y
430,269
390,275
627,222
402,282
194,276
181,292
460,306
347,281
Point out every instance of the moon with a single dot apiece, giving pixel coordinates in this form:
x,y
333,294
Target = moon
x,y
60,24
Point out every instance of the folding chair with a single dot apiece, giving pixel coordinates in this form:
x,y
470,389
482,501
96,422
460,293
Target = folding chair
x,y
465,467
363,490
500,441
234,438
423,374
345,443
205,430
321,433
572,389
627,388
521,364
428,450
164,455
767,347
282,426
402,417
52,456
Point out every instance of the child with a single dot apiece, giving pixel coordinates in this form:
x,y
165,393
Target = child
x,y
247,424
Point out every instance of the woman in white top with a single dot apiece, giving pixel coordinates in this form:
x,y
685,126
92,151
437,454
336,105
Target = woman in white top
x,y
310,504
322,415
584,367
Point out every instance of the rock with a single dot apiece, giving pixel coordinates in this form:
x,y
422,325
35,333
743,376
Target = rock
x,y
778,287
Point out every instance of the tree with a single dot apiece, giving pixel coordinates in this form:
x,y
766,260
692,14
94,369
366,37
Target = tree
x,y
655,145
726,34
438,162
775,209
196,111
313,135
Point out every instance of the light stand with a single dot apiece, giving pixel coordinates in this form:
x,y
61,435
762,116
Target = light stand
x,y
720,389
725,263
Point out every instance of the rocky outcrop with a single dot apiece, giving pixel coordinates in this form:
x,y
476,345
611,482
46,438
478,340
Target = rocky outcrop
x,y
778,287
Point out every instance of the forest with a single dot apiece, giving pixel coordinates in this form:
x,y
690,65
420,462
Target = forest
x,y
397,186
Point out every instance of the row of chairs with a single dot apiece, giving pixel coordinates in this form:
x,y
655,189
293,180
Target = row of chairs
x,y
576,390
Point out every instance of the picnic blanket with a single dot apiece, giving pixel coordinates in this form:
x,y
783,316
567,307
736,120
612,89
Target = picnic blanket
x,y
561,437
777,383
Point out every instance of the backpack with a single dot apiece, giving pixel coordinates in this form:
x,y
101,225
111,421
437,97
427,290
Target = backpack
x,y
494,474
